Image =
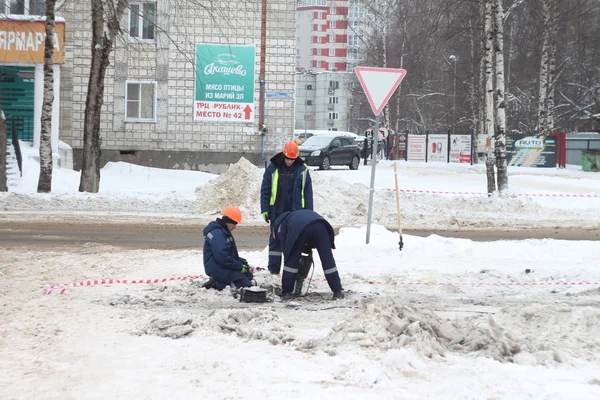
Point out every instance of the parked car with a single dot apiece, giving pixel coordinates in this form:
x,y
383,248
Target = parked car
x,y
325,150
300,135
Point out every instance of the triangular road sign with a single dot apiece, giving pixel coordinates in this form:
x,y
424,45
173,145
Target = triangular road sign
x,y
379,84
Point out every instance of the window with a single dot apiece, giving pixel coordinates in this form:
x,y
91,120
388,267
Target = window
x,y
334,84
309,102
140,100
37,7
332,11
333,100
356,26
23,7
345,142
334,115
331,52
309,87
332,24
142,20
353,40
331,38
357,10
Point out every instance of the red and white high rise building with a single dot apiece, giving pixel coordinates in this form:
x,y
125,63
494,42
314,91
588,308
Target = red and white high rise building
x,y
327,34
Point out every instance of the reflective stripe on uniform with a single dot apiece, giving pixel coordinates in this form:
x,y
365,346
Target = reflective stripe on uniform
x,y
274,184
330,270
304,172
275,253
291,270
209,235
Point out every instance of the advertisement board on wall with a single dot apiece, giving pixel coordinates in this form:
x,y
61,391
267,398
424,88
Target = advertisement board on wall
x,y
224,84
437,148
460,149
417,148
531,151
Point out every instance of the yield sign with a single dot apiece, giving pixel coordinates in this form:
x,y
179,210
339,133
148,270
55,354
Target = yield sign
x,y
379,84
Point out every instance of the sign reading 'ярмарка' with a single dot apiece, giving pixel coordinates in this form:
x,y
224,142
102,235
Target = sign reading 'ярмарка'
x,y
224,88
23,41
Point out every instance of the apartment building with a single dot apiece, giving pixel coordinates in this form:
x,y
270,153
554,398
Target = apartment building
x,y
182,88
328,34
323,100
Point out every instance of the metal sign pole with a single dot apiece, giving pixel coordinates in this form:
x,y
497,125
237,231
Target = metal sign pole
x,y
373,167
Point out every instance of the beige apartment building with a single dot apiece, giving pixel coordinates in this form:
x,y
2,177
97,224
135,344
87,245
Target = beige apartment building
x,y
182,89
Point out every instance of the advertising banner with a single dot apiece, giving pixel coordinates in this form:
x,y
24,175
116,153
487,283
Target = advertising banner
x,y
460,149
437,148
417,148
531,151
23,41
224,89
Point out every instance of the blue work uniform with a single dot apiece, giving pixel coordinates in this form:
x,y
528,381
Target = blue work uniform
x,y
221,259
298,232
284,189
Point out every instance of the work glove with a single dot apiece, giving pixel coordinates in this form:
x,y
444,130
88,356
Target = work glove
x,y
265,216
245,268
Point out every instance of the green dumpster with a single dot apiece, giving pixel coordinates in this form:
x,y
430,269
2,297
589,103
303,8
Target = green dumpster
x,y
590,160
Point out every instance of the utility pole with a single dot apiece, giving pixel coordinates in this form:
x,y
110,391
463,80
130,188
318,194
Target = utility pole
x,y
454,59
263,57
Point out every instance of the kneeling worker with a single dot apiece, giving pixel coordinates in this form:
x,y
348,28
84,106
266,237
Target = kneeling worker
x,y
301,231
221,260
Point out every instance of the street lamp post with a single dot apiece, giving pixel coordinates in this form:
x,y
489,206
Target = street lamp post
x,y
454,59
305,103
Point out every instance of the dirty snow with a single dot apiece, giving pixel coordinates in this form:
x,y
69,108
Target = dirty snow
x,y
444,318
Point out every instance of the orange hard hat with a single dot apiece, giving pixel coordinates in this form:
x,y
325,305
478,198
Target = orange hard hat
x,y
290,150
233,213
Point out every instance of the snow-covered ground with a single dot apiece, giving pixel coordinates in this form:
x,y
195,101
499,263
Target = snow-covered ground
x,y
443,318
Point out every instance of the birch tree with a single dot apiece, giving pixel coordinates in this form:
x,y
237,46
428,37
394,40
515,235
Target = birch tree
x,y
499,104
45,177
546,117
106,25
489,112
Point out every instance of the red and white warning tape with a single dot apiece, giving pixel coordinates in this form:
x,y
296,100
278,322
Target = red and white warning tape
x,y
549,283
587,195
60,289
49,289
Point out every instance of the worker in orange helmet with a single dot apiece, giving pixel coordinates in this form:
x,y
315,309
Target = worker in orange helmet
x,y
222,262
286,186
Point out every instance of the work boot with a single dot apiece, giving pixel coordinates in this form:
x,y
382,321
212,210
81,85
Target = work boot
x,y
298,287
287,296
211,283
338,295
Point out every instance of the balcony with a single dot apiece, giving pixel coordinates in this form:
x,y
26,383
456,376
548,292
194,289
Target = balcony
x,y
330,106
330,122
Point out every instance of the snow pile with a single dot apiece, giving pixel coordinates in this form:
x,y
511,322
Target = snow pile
x,y
539,334
250,323
346,204
238,186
